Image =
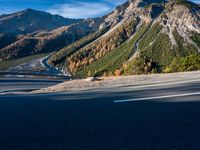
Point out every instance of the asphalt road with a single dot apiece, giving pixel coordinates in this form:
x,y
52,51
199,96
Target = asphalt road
x,y
50,69
25,84
164,117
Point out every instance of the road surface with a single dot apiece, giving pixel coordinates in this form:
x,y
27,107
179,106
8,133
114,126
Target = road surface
x,y
50,69
25,84
53,70
163,117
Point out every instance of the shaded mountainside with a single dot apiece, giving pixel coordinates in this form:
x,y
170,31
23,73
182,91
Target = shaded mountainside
x,y
30,20
141,36
6,39
41,41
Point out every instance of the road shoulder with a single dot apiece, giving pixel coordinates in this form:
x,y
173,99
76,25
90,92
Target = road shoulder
x,y
124,81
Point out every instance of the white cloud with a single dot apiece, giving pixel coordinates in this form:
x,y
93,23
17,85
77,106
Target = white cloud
x,y
80,9
116,2
196,1
6,11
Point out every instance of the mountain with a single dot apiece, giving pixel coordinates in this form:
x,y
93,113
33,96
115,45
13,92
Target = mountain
x,y
30,20
139,36
31,32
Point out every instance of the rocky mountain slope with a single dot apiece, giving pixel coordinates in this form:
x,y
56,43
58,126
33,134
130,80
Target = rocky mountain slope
x,y
140,36
31,32
30,20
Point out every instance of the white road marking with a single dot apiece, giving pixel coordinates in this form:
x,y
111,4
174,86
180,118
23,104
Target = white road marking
x,y
157,97
163,84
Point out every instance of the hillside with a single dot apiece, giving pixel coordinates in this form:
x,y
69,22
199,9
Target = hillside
x,y
140,36
30,20
32,32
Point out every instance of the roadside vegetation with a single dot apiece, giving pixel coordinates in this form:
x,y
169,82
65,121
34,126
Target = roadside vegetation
x,y
182,64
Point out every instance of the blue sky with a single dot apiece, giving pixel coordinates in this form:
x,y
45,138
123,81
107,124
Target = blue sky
x,y
66,8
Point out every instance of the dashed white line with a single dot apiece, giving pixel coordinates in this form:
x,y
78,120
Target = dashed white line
x,y
156,97
163,84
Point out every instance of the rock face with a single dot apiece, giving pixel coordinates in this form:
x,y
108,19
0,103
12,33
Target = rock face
x,y
153,29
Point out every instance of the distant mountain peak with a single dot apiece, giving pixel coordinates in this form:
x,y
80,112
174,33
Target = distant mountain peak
x,y
29,9
31,20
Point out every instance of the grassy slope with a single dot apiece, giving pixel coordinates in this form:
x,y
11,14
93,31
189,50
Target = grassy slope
x,y
150,36
196,38
14,63
154,52
183,49
161,51
114,59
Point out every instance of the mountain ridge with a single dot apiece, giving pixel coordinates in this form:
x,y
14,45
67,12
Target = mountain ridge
x,y
30,20
40,39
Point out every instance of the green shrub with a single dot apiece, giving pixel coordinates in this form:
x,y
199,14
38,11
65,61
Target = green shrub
x,y
135,67
181,64
196,38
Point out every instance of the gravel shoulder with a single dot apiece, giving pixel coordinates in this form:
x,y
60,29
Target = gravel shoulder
x,y
123,81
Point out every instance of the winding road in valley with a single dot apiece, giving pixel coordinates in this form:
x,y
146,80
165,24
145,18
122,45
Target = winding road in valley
x,y
51,69
163,117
